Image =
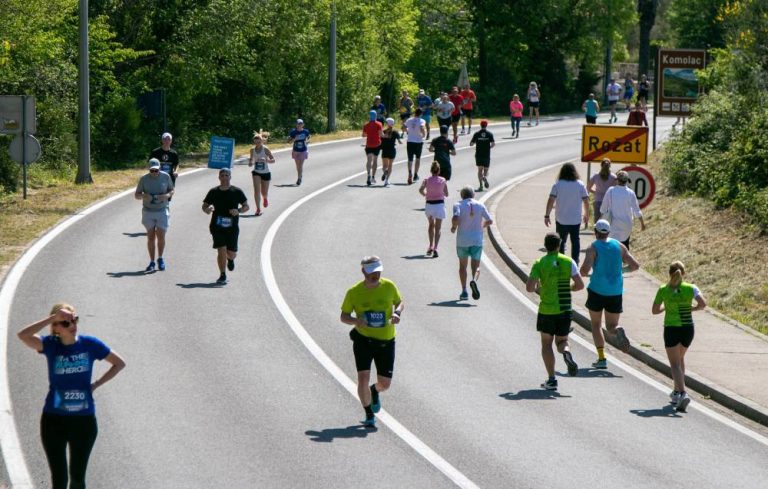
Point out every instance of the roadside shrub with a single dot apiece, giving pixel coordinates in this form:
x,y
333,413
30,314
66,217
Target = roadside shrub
x,y
10,171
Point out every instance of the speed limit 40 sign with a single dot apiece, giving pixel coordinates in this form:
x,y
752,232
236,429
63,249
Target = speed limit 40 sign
x,y
641,181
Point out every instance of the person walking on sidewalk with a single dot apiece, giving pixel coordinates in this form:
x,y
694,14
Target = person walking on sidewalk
x,y
599,183
570,198
435,189
551,276
155,190
605,258
620,207
470,218
675,300
483,142
69,415
377,307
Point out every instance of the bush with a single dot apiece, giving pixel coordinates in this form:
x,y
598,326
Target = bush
x,y
10,171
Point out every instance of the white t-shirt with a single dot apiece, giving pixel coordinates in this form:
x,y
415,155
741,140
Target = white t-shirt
x,y
471,214
614,90
445,109
568,195
413,127
620,207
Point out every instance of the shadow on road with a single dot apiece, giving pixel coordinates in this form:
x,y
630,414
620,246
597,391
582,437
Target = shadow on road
x,y
594,372
137,273
287,185
531,395
201,285
135,235
454,303
665,412
330,434
417,257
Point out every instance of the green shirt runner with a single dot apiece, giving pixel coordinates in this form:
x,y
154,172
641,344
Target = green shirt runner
x,y
554,272
677,304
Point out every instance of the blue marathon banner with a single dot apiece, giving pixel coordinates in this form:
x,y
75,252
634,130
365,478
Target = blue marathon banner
x,y
222,152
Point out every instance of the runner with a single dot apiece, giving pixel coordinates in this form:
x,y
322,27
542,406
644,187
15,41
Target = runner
x,y
629,91
380,108
643,89
377,306
425,103
414,128
261,158
168,158
470,218
570,199
225,203
435,189
614,92
637,116
388,150
443,149
620,203
674,299
534,100
484,141
444,110
458,101
155,190
604,258
599,183
591,109
516,114
69,415
299,137
405,106
372,132
466,110
551,277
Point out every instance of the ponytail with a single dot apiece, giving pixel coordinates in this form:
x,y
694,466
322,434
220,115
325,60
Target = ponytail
x,y
676,272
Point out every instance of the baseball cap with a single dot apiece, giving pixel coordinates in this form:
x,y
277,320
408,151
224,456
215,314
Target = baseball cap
x,y
421,90
154,164
166,135
602,226
226,170
622,176
483,123
372,266
390,121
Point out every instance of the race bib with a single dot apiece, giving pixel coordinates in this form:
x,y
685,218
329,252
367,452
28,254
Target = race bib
x,y
166,168
376,319
260,166
300,145
71,400
224,222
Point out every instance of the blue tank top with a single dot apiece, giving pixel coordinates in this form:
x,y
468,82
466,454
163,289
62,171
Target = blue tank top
x,y
607,278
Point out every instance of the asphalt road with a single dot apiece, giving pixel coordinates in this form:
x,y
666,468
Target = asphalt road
x,y
221,389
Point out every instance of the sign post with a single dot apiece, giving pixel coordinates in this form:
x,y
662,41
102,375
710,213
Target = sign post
x,y
677,84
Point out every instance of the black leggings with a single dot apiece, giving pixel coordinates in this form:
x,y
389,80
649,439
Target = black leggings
x,y
79,432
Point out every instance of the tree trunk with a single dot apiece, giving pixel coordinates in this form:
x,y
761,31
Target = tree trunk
x,y
647,11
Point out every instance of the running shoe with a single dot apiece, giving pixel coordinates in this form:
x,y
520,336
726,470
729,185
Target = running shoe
x,y
529,123
415,177
600,364
513,134
674,397
369,422
257,213
621,340
479,189
222,279
517,136
230,264
485,181
383,176
537,123
375,401
386,183
368,182
429,251
463,296
573,369
160,264
475,290
682,402
410,178
550,384
298,182
462,132
265,202
434,253
150,267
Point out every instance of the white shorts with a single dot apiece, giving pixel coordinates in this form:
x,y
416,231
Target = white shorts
x,y
436,211
155,219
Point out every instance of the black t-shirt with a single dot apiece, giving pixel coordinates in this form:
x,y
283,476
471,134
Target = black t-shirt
x,y
388,143
442,147
223,201
482,140
169,160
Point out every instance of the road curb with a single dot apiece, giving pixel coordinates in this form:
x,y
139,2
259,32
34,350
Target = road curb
x,y
698,383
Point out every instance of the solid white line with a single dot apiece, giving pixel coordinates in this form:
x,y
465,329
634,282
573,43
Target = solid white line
x,y
504,281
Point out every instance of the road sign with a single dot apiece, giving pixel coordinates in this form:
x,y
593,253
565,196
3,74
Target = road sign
x,y
677,85
32,151
641,181
622,144
222,152
11,114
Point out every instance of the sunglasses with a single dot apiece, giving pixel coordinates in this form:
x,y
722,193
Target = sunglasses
x,y
154,171
65,324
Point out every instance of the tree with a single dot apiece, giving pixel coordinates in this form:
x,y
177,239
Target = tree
x,y
647,11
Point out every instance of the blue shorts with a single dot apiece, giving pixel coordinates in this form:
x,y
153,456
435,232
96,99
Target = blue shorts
x,y
427,118
474,252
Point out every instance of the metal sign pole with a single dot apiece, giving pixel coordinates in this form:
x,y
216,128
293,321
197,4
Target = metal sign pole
x,y
656,83
24,142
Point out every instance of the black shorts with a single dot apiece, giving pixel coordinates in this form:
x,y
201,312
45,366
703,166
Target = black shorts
x,y
265,177
367,350
533,105
414,150
678,335
612,103
373,151
598,302
642,94
405,116
389,153
456,118
225,237
484,162
443,122
554,324
591,119
467,112
445,170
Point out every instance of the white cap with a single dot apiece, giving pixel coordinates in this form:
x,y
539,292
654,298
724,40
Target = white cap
x,y
374,266
602,226
154,164
390,121
166,135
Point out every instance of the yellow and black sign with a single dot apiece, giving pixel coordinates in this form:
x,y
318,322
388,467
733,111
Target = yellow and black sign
x,y
621,144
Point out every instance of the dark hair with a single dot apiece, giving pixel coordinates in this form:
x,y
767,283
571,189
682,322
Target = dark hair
x,y
552,242
435,168
568,172
418,112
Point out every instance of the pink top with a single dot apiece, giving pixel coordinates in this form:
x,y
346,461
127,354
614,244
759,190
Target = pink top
x,y
434,186
516,108
601,186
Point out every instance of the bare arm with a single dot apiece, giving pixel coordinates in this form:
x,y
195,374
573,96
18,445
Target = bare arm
x,y
589,260
29,335
700,303
270,156
117,365
454,223
532,285
578,283
657,308
628,259
423,187
550,205
207,208
348,318
585,211
445,189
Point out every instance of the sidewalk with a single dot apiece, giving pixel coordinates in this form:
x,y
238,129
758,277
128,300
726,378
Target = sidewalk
x,y
727,362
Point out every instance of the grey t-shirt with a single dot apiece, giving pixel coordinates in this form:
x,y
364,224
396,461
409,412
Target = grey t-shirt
x,y
161,184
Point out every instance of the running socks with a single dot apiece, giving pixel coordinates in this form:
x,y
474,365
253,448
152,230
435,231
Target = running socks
x,y
601,353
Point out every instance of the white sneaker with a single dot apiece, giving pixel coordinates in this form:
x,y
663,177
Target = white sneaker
x,y
674,397
682,402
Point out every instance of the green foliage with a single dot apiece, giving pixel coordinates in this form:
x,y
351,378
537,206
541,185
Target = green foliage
x,y
9,169
696,24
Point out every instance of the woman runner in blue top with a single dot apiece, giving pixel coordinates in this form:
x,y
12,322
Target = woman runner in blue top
x,y
69,417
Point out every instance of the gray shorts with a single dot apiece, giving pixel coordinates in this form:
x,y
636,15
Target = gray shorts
x,y
155,219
